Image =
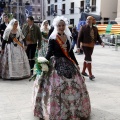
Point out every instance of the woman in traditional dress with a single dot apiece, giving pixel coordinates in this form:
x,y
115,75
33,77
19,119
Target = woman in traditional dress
x,y
62,94
15,64
44,44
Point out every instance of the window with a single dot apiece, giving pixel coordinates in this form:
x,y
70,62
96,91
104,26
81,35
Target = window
x,y
20,2
63,0
72,8
72,22
33,9
93,6
38,1
81,6
63,9
38,9
48,1
48,12
56,8
55,0
33,1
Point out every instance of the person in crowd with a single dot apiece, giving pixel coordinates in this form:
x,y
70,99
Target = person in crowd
x,y
63,94
4,25
88,35
74,35
44,43
14,61
51,30
33,39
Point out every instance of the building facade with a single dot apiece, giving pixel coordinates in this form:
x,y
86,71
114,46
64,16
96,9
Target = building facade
x,y
36,6
37,9
108,9
72,9
118,12
17,9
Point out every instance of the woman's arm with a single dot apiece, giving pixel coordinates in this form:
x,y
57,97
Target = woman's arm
x,y
24,41
73,56
3,44
44,39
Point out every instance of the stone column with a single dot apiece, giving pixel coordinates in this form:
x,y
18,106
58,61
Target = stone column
x,y
118,13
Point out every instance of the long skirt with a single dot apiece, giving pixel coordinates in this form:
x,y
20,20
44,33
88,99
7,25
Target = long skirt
x,y
43,50
14,63
60,97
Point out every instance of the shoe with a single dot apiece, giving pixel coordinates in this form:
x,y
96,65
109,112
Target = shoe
x,y
92,77
79,54
84,74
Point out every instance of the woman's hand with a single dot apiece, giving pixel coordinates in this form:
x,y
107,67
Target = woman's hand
x,y
46,40
25,47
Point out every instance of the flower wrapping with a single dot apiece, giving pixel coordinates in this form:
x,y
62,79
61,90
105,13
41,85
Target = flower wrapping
x,y
42,60
40,67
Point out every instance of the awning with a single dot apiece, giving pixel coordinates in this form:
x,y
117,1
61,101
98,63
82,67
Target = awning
x,y
108,28
85,15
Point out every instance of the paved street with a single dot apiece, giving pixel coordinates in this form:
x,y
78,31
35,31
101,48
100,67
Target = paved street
x,y
15,96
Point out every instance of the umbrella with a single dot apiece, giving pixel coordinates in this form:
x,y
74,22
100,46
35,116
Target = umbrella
x,y
108,28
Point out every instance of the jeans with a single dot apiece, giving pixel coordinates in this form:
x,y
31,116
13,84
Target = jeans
x,y
73,43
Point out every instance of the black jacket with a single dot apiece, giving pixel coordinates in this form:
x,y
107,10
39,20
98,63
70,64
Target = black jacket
x,y
75,35
2,29
84,35
55,50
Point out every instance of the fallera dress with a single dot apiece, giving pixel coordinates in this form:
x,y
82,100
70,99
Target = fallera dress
x,y
14,61
62,94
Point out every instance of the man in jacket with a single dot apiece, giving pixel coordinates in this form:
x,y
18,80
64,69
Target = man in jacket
x,y
33,39
88,36
4,25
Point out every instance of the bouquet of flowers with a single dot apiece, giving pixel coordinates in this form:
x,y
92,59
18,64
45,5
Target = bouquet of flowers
x,y
40,68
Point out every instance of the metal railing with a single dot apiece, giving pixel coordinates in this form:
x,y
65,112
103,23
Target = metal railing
x,y
111,40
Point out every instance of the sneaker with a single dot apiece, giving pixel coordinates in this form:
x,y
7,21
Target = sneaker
x,y
92,77
84,74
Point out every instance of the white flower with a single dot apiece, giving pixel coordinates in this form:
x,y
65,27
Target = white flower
x,y
44,67
42,60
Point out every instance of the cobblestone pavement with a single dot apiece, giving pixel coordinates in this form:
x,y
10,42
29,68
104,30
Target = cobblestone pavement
x,y
15,96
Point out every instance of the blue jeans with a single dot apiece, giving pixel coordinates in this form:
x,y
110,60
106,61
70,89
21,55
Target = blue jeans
x,y
73,43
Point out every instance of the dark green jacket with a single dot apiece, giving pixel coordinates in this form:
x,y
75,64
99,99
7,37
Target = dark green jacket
x,y
35,33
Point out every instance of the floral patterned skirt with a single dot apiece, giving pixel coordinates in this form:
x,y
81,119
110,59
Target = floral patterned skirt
x,y
61,98
43,50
